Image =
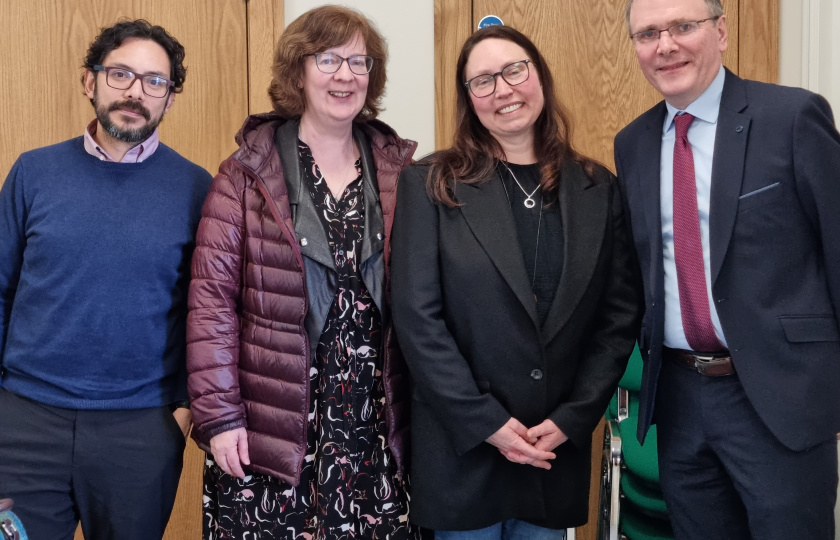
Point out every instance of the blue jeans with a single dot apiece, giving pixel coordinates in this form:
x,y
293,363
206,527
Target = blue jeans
x,y
512,529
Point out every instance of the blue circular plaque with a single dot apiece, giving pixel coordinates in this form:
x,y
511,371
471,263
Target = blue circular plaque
x,y
489,20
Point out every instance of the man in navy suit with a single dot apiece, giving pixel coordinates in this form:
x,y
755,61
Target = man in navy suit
x,y
733,192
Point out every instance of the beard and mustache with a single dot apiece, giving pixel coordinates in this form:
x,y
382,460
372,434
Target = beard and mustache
x,y
129,135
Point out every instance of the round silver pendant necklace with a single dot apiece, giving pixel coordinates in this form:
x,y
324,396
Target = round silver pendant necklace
x,y
539,223
529,197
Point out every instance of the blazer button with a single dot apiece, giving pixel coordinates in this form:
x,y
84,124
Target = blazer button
x,y
379,236
303,241
536,374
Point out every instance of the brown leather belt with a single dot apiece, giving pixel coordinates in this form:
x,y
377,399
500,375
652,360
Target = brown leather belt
x,y
711,365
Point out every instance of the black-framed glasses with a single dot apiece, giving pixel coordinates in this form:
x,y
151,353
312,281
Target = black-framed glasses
x,y
122,79
513,74
676,31
328,62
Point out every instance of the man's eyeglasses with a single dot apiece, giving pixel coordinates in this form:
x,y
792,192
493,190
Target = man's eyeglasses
x,y
676,31
328,62
122,79
513,74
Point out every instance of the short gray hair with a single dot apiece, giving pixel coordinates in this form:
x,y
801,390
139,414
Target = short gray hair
x,y
714,6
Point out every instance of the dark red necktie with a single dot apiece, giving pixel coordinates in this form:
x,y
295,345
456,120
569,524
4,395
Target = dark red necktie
x,y
688,250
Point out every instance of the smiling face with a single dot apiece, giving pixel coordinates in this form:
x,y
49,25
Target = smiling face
x,y
129,116
679,69
509,113
334,99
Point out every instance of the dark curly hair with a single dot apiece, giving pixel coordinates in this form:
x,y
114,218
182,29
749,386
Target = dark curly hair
x,y
113,37
316,31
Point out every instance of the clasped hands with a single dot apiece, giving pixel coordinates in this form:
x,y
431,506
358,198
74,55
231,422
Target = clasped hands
x,y
516,442
528,446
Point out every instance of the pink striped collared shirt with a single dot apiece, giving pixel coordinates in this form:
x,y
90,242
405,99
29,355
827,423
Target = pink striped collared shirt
x,y
139,153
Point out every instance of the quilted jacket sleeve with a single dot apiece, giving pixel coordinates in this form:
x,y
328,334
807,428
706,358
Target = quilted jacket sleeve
x,y
213,320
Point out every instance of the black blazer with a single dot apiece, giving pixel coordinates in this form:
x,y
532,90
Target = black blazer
x,y
775,251
466,320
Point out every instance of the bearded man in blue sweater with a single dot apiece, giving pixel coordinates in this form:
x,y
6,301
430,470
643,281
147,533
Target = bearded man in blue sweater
x,y
96,235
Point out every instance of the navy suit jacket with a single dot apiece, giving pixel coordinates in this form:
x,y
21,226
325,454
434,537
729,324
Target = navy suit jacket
x,y
775,251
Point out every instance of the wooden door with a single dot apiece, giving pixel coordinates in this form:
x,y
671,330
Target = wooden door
x,y
592,59
596,73
42,45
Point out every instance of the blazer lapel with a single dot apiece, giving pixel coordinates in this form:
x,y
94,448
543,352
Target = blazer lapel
x,y
486,209
308,225
727,168
374,236
644,160
649,155
373,239
584,211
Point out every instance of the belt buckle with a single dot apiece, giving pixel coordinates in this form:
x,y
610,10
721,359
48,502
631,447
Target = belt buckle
x,y
703,363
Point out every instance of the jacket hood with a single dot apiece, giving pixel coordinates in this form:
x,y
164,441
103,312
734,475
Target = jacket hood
x,y
256,142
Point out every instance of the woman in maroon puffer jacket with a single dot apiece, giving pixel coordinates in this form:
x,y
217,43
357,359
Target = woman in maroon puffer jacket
x,y
298,390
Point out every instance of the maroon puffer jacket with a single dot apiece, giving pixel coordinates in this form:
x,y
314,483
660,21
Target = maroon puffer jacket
x,y
247,347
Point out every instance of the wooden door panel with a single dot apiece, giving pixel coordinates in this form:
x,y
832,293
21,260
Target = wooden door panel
x,y
42,45
758,46
453,25
265,24
587,47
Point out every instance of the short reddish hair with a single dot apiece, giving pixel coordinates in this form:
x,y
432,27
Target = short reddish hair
x,y
315,31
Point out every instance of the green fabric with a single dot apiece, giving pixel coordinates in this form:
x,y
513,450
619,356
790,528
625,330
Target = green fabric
x,y
632,379
640,460
640,527
612,409
646,496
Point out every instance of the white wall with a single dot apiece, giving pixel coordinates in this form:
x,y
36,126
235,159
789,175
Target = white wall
x,y
410,93
809,48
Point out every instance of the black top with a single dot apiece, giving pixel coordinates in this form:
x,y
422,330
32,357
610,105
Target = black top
x,y
540,233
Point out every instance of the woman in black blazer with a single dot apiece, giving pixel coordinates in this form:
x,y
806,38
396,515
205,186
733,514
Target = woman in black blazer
x,y
515,304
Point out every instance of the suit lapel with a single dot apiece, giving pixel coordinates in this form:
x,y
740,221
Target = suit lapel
x,y
649,156
486,209
727,168
584,211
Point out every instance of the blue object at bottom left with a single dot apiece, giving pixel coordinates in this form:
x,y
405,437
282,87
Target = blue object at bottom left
x,y
10,526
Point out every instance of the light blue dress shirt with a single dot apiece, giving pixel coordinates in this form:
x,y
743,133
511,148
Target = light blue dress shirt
x,y
701,136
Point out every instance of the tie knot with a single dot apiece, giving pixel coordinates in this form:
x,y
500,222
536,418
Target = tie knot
x,y
682,121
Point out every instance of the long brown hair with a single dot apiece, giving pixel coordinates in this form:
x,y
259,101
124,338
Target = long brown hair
x,y
472,156
313,32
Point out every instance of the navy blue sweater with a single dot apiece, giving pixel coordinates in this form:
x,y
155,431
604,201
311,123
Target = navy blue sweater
x,y
94,272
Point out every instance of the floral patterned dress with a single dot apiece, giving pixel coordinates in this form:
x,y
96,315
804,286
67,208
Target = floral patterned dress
x,y
349,487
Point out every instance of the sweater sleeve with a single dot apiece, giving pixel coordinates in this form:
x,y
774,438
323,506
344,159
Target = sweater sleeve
x,y
816,164
213,319
13,213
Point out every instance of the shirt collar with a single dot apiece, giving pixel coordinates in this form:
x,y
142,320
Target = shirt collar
x,y
139,153
706,107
